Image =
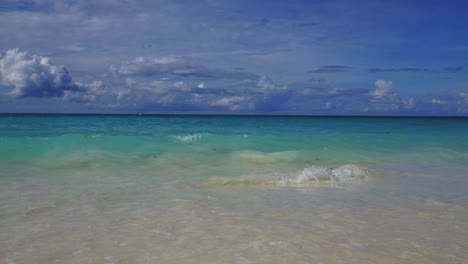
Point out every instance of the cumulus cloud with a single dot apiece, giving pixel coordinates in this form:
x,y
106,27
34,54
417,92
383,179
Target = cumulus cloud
x,y
121,94
328,105
384,100
408,103
438,101
462,103
464,97
35,76
232,103
383,88
178,94
180,85
266,85
176,84
445,104
88,94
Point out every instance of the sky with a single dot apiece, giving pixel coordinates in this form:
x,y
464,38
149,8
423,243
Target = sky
x,y
334,57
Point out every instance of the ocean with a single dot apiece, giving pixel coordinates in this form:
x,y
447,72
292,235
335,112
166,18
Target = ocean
x,y
233,189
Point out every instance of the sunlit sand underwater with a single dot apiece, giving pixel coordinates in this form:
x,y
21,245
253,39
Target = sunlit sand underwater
x,y
210,189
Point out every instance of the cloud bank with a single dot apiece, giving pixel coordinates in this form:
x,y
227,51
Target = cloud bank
x,y
177,84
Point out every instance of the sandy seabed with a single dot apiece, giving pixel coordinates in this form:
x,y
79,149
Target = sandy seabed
x,y
231,225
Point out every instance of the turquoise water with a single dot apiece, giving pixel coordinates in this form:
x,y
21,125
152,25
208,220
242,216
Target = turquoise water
x,y
231,189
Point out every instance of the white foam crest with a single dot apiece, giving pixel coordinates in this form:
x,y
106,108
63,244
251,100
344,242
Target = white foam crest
x,y
322,174
309,175
189,138
350,172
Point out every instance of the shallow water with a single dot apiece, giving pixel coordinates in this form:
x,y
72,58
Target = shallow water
x,y
138,189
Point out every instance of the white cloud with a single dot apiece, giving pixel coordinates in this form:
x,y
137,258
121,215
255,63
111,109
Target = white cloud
x,y
383,88
328,105
181,86
233,103
130,81
462,103
384,99
267,85
89,93
464,96
227,101
121,94
438,101
201,85
408,103
34,76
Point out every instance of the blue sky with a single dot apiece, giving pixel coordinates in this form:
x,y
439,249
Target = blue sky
x,y
239,57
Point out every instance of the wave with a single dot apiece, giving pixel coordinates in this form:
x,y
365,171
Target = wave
x,y
307,176
189,138
348,172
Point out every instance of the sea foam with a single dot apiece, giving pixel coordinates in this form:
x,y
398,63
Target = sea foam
x,y
307,176
322,174
189,138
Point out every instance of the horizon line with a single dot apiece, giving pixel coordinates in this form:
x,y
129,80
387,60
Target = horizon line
x,y
227,115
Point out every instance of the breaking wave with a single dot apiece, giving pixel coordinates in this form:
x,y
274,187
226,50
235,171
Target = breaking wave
x,y
189,138
320,174
308,176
